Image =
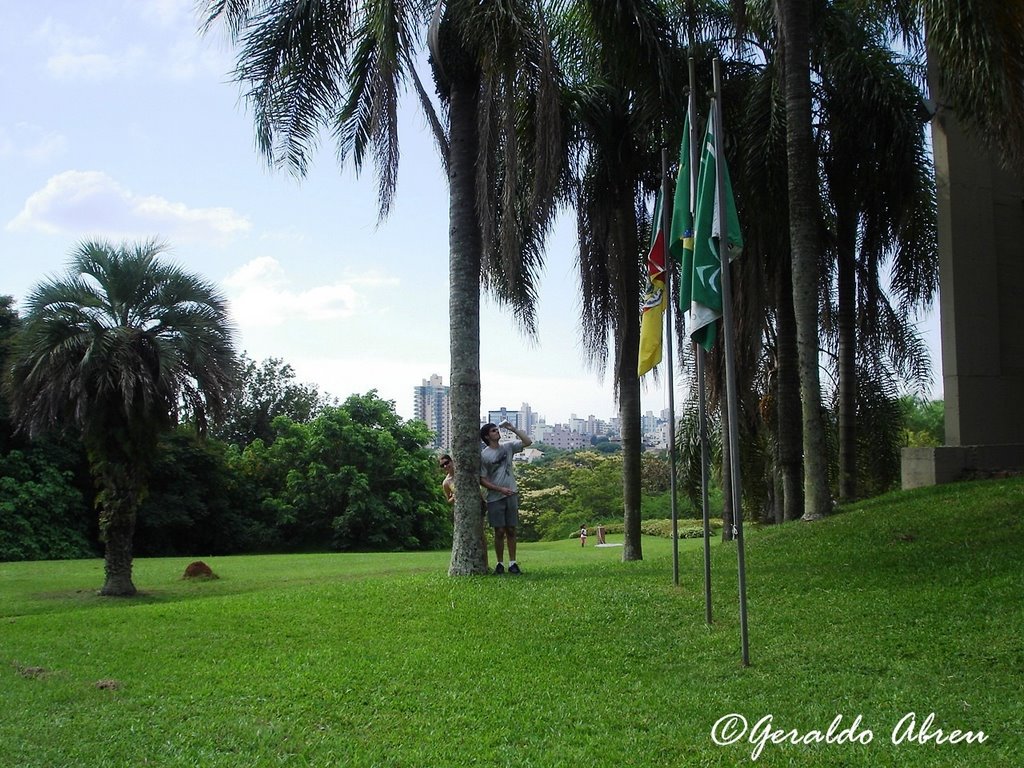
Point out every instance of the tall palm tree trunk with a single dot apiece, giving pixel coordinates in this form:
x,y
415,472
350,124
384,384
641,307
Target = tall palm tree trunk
x,y
789,431
846,322
794,25
119,500
627,356
629,423
464,319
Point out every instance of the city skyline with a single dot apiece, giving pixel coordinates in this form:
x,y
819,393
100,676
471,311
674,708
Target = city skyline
x,y
432,406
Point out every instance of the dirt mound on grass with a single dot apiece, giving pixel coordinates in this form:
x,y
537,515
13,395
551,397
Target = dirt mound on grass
x,y
198,570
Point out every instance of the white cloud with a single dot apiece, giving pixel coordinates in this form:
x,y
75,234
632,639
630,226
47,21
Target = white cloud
x,y
172,48
190,57
91,202
44,145
261,295
76,56
165,12
31,143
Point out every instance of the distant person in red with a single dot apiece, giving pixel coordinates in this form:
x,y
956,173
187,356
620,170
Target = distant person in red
x,y
502,492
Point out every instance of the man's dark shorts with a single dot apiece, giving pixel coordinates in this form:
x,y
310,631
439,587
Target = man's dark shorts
x,y
504,513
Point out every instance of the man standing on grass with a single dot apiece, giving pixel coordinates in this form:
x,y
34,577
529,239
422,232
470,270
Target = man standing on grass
x,y
502,492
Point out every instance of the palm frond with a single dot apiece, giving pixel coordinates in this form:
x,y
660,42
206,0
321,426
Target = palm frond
x,y
976,48
109,347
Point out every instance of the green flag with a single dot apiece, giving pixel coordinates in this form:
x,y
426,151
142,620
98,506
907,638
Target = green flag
x,y
680,244
706,276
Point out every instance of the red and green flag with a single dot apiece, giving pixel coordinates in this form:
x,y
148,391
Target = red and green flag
x,y
653,300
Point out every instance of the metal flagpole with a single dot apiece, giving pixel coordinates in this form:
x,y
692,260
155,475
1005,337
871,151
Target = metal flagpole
x,y
702,413
730,358
668,357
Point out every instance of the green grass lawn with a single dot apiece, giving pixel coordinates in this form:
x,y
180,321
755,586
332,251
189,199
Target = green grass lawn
x,y
909,603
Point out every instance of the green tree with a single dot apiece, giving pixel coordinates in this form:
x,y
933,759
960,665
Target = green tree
x,y
880,196
975,53
619,59
355,477
195,504
976,60
116,349
656,472
879,257
923,421
794,25
265,391
578,488
340,67
9,322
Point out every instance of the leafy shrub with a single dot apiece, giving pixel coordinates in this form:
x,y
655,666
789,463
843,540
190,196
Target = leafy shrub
x,y
579,488
195,504
42,515
687,529
355,477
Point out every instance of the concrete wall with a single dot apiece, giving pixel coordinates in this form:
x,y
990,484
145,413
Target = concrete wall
x,y
981,291
981,307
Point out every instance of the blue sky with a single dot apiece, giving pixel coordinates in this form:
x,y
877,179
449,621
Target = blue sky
x,y
119,121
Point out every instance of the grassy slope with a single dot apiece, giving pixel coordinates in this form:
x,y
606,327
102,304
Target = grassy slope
x,y
908,603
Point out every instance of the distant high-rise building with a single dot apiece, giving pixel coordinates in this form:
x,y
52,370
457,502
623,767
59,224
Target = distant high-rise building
x,y
504,414
649,422
529,418
564,438
432,405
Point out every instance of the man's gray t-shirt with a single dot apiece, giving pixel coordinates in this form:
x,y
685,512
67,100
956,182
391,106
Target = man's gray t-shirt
x,y
496,466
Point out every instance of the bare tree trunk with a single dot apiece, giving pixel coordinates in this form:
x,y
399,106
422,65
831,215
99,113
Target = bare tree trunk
x,y
626,271
794,24
119,499
117,557
464,319
847,326
629,421
789,432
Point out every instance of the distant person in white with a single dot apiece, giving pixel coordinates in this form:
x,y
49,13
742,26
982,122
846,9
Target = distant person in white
x,y
502,492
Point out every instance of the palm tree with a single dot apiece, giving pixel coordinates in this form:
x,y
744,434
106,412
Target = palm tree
x,y
622,61
794,24
116,349
767,347
880,191
879,210
975,51
977,59
340,66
